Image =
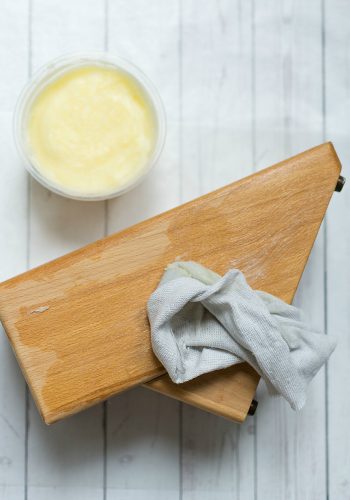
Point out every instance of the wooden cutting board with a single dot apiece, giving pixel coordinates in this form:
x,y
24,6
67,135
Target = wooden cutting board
x,y
229,392
78,324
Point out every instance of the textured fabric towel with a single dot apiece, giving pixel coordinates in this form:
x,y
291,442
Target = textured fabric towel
x,y
202,322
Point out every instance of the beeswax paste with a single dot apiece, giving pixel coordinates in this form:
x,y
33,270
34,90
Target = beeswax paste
x,y
92,130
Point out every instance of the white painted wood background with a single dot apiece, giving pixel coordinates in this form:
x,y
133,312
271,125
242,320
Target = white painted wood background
x,y
245,84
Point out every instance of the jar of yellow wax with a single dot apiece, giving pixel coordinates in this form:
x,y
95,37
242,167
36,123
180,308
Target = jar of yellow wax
x,y
89,127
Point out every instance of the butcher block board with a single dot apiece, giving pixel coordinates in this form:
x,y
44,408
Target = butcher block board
x,y
78,324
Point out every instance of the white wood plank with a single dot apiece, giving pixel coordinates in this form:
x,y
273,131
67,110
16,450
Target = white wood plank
x,y
148,35
66,460
13,248
218,455
143,427
216,94
337,106
143,447
288,94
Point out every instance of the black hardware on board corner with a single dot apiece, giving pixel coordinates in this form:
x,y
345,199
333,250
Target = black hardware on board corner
x,y
340,184
253,407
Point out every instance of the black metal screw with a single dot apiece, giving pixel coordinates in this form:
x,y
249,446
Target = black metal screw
x,y
253,407
340,184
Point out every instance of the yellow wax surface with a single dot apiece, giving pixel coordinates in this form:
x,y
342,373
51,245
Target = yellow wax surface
x,y
92,130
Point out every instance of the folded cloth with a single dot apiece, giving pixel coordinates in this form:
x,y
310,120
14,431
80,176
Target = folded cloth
x,y
202,322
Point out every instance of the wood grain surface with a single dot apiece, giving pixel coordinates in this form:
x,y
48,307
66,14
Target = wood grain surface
x,y
244,84
78,324
229,392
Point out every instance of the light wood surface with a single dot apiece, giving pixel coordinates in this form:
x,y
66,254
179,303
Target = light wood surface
x,y
229,392
244,84
78,325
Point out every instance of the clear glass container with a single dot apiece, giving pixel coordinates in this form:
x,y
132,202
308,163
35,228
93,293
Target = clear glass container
x,y
53,70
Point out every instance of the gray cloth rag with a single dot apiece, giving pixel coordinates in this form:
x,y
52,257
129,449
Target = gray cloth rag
x,y
202,322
